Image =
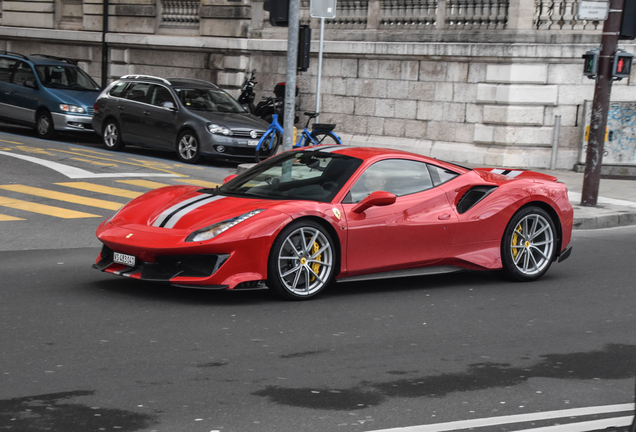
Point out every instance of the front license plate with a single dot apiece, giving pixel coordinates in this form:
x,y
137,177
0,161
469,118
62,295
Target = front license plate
x,y
252,143
124,259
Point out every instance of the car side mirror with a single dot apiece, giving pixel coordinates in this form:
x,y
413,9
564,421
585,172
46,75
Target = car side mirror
x,y
375,199
29,83
228,178
168,105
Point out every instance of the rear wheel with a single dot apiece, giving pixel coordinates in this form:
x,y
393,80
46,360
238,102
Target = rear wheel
x,y
111,136
188,148
529,244
324,137
44,126
269,146
302,261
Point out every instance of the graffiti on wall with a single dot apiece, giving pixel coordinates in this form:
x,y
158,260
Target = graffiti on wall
x,y
620,147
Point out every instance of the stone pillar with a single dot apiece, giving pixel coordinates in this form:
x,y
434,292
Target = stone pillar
x,y
520,15
440,18
374,14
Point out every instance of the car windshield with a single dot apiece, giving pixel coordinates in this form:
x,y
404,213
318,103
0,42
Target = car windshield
x,y
304,175
66,77
208,99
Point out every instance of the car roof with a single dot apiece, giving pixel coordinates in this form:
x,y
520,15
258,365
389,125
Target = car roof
x,y
367,153
41,59
191,82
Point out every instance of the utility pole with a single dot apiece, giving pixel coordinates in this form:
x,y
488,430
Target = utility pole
x,y
104,44
600,105
290,80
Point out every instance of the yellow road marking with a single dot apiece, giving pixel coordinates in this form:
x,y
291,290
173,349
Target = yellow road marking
x,y
36,150
61,196
11,142
43,209
107,190
198,182
94,162
8,218
143,183
123,162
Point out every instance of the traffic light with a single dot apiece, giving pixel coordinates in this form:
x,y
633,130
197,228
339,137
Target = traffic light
x,y
622,67
278,12
590,65
628,21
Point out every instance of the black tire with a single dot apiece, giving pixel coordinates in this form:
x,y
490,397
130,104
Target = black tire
x,y
323,137
303,271
529,245
111,136
188,147
265,152
44,127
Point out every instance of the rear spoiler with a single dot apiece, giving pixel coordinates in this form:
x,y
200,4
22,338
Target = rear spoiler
x,y
519,174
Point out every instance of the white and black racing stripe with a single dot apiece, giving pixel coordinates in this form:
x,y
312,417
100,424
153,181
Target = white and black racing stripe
x,y
169,217
506,172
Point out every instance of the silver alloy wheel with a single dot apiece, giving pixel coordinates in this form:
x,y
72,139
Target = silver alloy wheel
x,y
110,135
305,261
188,146
44,126
532,244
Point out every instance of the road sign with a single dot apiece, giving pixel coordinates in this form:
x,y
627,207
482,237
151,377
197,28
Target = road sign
x,y
593,10
322,9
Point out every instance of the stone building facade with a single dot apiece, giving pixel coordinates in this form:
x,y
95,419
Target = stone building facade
x,y
475,81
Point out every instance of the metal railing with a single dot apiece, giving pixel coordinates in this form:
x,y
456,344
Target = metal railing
x,y
560,15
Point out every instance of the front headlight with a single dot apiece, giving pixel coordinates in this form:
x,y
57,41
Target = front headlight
x,y
214,230
217,129
72,109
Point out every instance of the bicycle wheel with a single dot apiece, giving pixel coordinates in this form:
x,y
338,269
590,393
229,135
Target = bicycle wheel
x,y
269,146
323,137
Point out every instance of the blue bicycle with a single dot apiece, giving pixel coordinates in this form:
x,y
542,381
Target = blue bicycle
x,y
321,133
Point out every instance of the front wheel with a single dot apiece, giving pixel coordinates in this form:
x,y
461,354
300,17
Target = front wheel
x,y
529,245
44,126
269,146
302,261
188,149
324,137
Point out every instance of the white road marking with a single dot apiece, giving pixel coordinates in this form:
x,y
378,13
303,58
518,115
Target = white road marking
x,y
591,425
78,173
522,418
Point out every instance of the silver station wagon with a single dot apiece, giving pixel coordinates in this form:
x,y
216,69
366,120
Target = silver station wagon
x,y
192,117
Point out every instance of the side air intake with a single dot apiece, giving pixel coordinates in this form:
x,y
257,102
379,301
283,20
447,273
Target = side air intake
x,y
472,197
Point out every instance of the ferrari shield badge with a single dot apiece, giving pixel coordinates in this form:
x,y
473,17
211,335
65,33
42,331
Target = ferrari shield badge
x,y
336,212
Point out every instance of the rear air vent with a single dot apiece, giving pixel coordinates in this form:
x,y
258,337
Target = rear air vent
x,y
472,197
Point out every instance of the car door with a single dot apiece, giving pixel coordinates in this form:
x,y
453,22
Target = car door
x,y
131,109
415,230
22,98
6,88
159,120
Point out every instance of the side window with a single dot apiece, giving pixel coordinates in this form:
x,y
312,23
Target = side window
x,y
6,68
441,175
139,92
118,89
398,176
160,94
22,73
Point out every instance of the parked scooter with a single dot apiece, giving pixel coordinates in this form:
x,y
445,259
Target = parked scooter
x,y
269,105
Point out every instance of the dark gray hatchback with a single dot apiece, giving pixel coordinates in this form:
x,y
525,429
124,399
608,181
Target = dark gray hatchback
x,y
192,117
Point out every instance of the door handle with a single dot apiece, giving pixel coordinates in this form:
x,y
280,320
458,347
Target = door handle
x,y
146,112
445,216
120,107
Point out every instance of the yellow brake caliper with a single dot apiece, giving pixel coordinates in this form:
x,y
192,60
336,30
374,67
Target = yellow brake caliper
x,y
315,266
515,238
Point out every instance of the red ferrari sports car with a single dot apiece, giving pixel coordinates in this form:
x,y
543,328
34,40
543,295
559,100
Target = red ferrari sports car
x,y
303,218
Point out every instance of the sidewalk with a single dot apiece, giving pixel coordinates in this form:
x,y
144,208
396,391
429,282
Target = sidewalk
x,y
616,203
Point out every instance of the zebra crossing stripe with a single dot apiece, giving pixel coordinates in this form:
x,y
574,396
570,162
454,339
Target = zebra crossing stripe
x,y
43,209
4,218
106,190
143,183
61,196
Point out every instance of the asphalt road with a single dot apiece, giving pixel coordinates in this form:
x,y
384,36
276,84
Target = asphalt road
x,y
86,351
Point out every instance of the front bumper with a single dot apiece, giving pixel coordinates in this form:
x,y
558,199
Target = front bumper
x,y
229,147
71,122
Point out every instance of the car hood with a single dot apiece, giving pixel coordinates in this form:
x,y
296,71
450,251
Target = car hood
x,y
185,208
234,120
82,98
